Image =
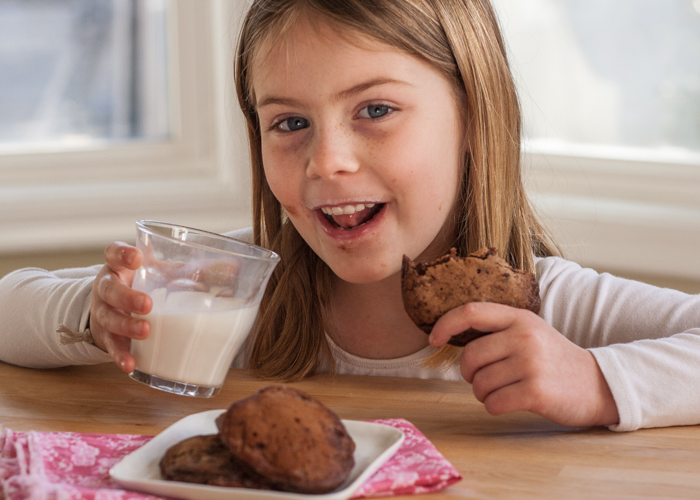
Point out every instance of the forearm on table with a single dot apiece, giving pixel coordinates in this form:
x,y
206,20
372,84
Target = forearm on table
x,y
646,340
34,303
654,382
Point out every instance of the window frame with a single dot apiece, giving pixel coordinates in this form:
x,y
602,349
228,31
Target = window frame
x,y
63,197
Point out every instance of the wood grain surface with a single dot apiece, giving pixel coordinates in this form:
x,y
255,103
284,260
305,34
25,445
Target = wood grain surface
x,y
516,456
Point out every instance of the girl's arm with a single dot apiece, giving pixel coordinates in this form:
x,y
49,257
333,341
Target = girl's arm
x,y
646,340
34,303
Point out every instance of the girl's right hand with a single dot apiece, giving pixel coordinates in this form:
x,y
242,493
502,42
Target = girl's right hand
x,y
113,302
526,364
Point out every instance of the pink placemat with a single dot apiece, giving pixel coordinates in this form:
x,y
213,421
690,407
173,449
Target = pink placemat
x,y
75,466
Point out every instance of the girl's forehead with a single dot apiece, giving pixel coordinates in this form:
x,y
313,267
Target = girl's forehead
x,y
280,50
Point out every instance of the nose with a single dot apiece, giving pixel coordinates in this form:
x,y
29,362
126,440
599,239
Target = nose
x,y
332,153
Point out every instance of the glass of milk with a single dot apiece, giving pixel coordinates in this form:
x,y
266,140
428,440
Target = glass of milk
x,y
206,290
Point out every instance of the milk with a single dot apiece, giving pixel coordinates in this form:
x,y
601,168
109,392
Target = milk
x,y
194,336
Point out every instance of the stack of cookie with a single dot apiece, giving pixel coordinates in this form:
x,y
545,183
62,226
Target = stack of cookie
x,y
279,438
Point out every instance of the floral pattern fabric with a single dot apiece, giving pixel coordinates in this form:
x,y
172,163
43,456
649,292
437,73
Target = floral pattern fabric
x,y
416,467
75,466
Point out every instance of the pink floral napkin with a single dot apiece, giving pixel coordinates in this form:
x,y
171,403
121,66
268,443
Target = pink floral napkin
x,y
75,466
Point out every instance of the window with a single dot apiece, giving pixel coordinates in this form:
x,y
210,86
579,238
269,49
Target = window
x,y
610,92
82,71
117,110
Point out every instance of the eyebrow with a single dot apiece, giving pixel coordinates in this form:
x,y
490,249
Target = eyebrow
x,y
344,94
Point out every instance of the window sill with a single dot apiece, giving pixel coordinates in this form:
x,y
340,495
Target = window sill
x,y
57,218
634,215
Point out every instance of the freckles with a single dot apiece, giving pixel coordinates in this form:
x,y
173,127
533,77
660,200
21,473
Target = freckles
x,y
373,145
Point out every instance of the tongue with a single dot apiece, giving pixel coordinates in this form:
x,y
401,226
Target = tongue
x,y
353,220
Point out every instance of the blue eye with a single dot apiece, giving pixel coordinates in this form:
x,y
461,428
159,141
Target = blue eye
x,y
374,111
293,123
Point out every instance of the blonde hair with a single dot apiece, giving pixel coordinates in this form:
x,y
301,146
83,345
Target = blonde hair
x,y
462,40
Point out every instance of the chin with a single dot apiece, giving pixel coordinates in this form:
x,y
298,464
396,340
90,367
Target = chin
x,y
364,275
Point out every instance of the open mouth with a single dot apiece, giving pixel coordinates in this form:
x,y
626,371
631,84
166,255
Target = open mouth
x,y
349,217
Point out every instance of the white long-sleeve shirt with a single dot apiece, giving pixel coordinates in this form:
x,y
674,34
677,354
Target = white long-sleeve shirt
x,y
646,340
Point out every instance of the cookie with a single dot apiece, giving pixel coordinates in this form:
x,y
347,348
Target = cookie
x,y
290,439
431,289
205,460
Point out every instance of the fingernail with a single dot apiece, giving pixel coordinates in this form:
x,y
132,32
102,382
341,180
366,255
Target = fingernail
x,y
139,303
137,329
129,257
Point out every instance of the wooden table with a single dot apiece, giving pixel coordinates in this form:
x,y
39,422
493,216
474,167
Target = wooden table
x,y
513,456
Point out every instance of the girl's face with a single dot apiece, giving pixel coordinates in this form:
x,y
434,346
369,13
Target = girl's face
x,y
362,146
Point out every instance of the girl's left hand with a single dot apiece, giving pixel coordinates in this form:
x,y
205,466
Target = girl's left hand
x,y
528,365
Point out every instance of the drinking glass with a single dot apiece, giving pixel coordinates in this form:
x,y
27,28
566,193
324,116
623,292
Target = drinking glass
x,y
206,290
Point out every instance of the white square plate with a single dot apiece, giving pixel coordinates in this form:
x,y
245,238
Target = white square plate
x,y
374,445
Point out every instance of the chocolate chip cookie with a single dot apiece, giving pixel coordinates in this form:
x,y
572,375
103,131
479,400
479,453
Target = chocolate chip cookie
x,y
205,460
290,439
431,289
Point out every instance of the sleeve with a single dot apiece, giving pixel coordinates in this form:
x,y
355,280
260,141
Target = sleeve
x,y
34,302
646,340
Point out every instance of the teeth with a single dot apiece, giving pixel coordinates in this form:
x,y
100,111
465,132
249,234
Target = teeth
x,y
346,209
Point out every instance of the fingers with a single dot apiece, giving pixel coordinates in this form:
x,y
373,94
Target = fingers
x,y
120,256
510,385
513,397
492,377
118,348
221,273
483,352
115,321
114,302
481,316
113,291
113,330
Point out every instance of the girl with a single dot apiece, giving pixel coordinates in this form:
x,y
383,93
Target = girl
x,y
380,128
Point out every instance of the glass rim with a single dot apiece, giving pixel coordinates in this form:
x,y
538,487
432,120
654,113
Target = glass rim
x,y
146,224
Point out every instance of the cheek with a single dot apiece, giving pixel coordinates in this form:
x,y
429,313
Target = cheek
x,y
443,151
282,175
430,168
278,172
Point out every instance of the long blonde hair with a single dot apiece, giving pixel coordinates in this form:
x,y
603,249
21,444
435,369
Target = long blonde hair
x,y
462,40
